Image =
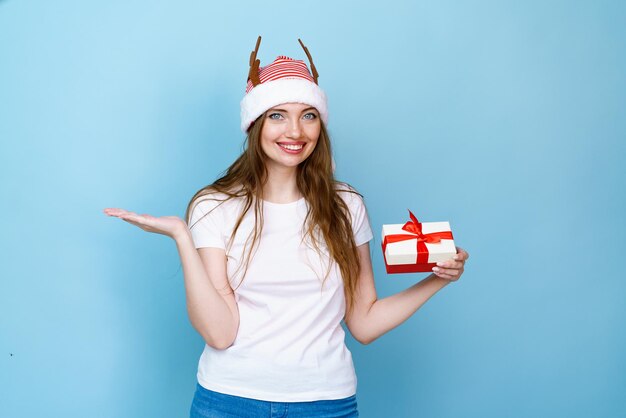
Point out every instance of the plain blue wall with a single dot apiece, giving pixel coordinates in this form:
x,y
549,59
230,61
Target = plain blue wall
x,y
504,118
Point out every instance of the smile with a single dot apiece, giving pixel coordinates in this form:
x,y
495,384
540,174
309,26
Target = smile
x,y
291,148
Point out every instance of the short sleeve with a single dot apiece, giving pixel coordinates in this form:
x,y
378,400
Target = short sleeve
x,y
360,221
206,224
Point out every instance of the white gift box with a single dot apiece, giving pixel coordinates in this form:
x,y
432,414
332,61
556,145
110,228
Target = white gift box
x,y
402,256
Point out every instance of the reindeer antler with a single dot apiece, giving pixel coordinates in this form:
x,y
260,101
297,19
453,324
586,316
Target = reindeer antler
x,y
306,50
253,75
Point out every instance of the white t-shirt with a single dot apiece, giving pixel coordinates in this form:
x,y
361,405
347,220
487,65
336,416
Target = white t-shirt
x,y
290,345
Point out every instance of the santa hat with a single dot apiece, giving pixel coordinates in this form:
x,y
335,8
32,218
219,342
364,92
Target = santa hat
x,y
285,80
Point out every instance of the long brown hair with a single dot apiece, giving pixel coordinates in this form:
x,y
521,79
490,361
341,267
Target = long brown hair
x,y
327,218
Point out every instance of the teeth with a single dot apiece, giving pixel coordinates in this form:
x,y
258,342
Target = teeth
x,y
291,147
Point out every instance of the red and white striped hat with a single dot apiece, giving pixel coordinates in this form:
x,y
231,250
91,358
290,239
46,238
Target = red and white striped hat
x,y
285,80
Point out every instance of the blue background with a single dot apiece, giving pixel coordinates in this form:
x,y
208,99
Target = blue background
x,y
505,118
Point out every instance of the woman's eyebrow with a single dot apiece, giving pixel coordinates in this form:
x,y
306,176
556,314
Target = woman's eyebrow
x,y
304,110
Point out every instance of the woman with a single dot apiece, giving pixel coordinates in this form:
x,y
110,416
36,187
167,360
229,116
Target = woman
x,y
275,255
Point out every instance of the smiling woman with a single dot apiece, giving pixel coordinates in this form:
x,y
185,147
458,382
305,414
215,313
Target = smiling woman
x,y
275,255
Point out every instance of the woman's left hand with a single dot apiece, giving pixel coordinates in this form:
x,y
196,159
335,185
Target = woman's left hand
x,y
452,269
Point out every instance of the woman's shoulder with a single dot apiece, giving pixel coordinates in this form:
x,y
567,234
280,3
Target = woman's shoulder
x,y
346,189
210,199
349,194
343,187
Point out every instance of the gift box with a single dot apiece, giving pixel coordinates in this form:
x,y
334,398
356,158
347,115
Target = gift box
x,y
416,247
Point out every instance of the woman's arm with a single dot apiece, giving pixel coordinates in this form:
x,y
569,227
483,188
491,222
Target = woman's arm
x,y
211,304
372,317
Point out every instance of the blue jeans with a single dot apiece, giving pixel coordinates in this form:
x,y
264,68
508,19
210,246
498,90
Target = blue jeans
x,y
209,404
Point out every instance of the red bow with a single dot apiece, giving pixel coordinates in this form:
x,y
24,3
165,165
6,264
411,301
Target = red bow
x,y
414,227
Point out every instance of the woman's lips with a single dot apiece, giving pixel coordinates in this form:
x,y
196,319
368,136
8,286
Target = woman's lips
x,y
291,147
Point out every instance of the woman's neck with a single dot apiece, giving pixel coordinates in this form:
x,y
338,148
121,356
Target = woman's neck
x,y
281,185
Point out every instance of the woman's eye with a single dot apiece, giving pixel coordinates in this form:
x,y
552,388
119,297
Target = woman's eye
x,y
313,116
271,116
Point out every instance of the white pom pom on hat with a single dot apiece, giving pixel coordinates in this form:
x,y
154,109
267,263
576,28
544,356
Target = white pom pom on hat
x,y
285,80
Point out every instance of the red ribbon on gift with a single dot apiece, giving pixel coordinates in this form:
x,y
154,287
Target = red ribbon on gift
x,y
414,227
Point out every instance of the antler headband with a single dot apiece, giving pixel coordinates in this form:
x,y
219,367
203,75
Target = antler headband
x,y
253,74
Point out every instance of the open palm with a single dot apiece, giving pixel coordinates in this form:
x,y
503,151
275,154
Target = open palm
x,y
166,225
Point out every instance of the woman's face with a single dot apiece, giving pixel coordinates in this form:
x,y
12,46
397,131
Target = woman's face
x,y
289,134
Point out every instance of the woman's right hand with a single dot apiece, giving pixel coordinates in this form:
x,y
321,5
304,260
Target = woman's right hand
x,y
172,226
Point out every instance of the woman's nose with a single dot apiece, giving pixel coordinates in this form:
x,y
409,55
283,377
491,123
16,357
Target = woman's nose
x,y
294,130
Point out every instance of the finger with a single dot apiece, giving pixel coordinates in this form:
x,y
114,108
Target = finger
x,y
461,254
451,264
454,274
116,212
140,219
135,217
131,222
112,211
450,271
445,276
